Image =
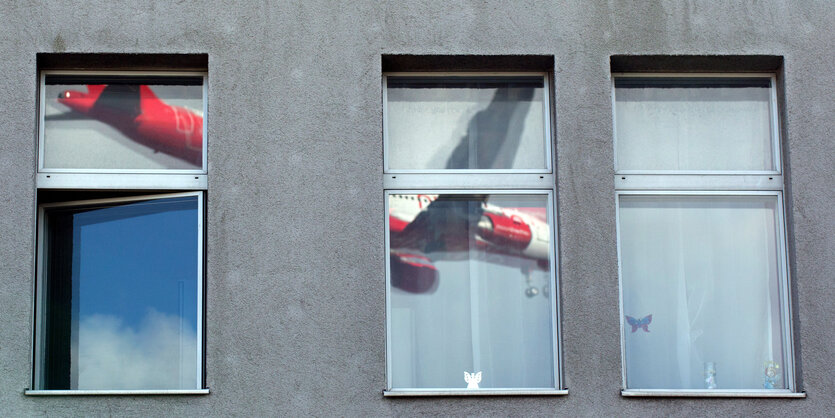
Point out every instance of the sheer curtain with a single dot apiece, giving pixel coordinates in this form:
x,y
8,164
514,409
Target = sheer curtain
x,y
479,318
690,125
706,269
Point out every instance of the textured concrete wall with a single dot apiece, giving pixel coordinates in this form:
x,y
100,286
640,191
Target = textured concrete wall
x,y
296,300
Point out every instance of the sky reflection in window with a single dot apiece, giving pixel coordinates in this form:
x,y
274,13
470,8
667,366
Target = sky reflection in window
x,y
128,295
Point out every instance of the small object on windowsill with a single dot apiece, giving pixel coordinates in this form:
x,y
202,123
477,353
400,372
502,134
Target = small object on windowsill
x,y
710,375
772,375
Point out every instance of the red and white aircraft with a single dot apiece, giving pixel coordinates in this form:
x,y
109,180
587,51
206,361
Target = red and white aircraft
x,y
141,116
424,228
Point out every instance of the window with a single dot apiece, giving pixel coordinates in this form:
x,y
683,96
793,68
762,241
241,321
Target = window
x,y
701,241
471,271
119,299
119,288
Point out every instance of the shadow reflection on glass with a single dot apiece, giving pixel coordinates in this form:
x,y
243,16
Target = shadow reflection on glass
x,y
493,134
465,122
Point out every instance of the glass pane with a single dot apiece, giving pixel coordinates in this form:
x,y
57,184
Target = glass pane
x,y
466,123
120,297
693,124
100,122
701,292
470,291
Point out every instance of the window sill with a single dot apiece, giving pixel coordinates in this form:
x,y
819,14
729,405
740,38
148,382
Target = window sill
x,y
683,393
474,392
155,392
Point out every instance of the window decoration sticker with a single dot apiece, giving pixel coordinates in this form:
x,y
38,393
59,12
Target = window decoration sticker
x,y
642,323
772,375
472,379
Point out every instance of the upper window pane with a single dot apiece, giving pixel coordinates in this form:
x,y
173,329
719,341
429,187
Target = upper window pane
x,y
471,290
692,124
118,305
118,122
466,122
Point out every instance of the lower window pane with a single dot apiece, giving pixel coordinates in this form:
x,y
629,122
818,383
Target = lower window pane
x,y
701,292
119,296
470,283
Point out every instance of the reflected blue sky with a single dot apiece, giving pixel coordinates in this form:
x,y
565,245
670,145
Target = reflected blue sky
x,y
130,259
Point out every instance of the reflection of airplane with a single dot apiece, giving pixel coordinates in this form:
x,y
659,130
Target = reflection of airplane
x,y
424,228
141,116
428,228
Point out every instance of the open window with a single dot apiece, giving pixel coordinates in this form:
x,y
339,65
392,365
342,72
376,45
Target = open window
x,y
120,294
121,177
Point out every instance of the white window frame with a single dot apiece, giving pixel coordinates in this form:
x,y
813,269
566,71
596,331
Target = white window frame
x,y
98,178
477,181
148,184
712,183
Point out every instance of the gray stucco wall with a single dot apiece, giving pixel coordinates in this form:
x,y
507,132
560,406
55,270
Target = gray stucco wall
x,y
295,273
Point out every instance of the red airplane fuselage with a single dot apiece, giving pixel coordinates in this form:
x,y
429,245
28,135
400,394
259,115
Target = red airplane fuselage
x,y
143,118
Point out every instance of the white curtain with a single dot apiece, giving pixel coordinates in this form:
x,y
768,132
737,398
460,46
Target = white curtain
x,y
719,128
478,319
706,269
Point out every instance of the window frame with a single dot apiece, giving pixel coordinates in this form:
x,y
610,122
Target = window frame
x,y
106,178
126,185
39,297
713,183
478,181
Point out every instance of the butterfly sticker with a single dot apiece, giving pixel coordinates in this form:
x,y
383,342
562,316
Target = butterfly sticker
x,y
642,323
472,379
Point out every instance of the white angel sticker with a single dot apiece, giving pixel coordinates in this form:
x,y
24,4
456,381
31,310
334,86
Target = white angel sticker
x,y
472,379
